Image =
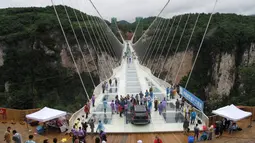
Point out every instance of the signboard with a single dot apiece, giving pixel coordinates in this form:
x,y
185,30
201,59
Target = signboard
x,y
192,98
2,111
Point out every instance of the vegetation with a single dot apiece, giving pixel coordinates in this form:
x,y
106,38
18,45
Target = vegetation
x,y
32,75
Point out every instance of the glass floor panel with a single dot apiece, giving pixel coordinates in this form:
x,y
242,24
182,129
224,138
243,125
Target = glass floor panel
x,y
173,117
170,106
109,98
100,108
105,118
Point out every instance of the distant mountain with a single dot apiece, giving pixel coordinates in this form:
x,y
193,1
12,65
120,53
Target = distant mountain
x,y
123,22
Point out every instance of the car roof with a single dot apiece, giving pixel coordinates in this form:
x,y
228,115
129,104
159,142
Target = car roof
x,y
140,108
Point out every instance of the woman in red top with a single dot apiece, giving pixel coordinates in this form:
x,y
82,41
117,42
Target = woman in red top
x,y
86,110
157,140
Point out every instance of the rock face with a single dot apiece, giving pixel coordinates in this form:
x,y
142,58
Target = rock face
x,y
223,70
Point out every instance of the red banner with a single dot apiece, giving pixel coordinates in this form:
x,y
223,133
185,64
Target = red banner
x,y
2,111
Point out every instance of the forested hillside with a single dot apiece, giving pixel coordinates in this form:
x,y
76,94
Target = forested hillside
x,y
32,72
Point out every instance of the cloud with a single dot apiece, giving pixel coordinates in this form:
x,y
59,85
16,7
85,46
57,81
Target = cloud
x,y
129,9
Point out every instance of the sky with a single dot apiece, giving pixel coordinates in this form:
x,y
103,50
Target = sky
x,y
129,9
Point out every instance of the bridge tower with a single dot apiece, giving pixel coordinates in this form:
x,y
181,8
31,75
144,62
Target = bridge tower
x,y
114,25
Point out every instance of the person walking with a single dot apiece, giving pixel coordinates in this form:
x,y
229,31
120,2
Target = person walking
x,y
86,110
93,100
177,105
105,105
102,135
100,126
116,82
151,92
167,92
196,132
7,135
193,117
146,93
157,140
164,103
16,137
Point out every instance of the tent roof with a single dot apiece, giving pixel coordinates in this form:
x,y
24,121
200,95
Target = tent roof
x,y
231,112
46,114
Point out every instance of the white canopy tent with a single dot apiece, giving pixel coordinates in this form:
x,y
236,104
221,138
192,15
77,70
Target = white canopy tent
x,y
46,114
231,112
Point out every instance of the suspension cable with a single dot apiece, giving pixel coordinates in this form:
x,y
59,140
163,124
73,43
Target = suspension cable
x,y
170,45
154,45
148,47
104,45
178,45
92,41
86,42
78,43
209,21
153,21
100,50
103,20
168,35
135,31
107,41
158,46
70,50
151,43
183,57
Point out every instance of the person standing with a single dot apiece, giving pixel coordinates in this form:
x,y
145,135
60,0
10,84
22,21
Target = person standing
x,y
30,139
93,100
141,97
160,108
196,131
110,82
112,106
16,137
177,105
137,99
103,87
92,125
146,93
86,110
157,140
185,126
120,109
7,135
116,82
193,117
164,103
167,92
102,135
156,104
105,105
151,92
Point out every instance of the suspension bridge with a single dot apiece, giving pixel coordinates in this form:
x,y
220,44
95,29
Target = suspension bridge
x,y
138,75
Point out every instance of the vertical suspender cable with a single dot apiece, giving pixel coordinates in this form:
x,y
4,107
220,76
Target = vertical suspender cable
x,y
183,57
149,46
165,42
102,41
70,50
170,45
178,45
151,42
135,31
158,46
86,42
100,50
92,41
209,21
154,20
79,46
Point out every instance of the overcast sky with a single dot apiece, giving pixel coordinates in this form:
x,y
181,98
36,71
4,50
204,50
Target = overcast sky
x,y
129,9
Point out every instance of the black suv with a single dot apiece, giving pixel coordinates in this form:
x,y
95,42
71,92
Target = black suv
x,y
140,115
